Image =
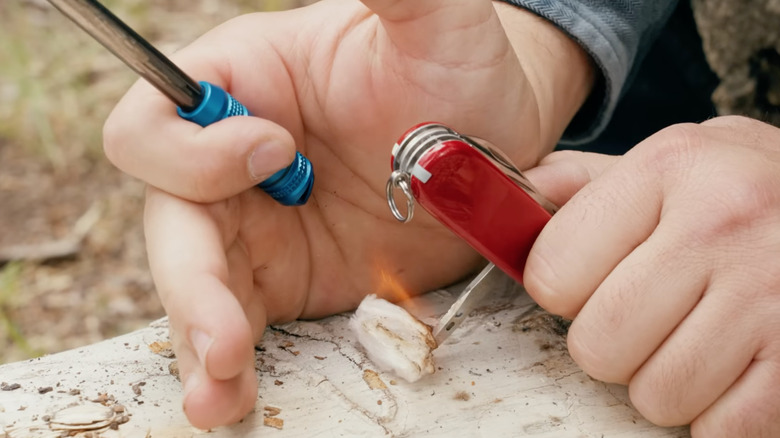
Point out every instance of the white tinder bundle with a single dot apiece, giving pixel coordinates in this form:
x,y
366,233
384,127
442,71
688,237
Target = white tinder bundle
x,y
394,340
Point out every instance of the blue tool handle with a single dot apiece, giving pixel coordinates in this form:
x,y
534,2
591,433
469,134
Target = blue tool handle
x,y
289,186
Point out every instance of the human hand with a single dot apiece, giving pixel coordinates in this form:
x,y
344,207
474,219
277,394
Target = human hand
x,y
667,259
341,83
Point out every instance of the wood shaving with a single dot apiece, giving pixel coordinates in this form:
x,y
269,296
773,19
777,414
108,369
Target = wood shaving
x,y
164,349
271,411
173,368
270,419
84,417
9,386
462,395
374,381
274,422
102,398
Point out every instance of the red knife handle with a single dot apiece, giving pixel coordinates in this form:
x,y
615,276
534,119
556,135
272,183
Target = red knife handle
x,y
463,188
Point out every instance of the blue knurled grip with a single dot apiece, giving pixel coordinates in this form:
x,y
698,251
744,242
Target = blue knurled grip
x,y
289,186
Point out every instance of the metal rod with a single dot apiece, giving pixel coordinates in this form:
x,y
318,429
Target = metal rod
x,y
134,50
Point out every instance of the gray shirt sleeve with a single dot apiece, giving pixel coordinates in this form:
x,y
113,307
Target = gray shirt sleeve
x,y
616,34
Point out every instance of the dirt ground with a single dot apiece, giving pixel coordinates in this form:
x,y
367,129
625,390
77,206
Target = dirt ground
x,y
73,266
102,289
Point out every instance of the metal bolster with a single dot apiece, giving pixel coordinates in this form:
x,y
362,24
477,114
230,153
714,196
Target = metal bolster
x,y
418,142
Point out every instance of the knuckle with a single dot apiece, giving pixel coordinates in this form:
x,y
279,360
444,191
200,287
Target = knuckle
x,y
729,189
731,121
716,427
590,354
734,203
582,352
660,393
651,409
746,419
544,284
748,194
673,149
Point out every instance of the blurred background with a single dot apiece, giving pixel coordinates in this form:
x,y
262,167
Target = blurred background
x,y
72,262
73,267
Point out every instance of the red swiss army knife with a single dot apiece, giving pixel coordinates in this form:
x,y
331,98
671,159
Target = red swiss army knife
x,y
475,191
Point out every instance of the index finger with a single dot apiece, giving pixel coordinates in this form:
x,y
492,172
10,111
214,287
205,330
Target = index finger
x,y
213,335
189,263
596,229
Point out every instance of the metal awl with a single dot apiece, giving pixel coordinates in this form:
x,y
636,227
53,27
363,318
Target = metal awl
x,y
202,102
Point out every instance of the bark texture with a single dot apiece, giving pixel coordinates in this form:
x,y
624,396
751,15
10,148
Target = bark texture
x,y
741,41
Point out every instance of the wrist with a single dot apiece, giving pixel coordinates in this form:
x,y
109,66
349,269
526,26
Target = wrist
x,y
560,73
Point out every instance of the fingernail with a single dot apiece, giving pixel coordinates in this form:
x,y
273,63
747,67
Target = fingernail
x,y
267,159
201,342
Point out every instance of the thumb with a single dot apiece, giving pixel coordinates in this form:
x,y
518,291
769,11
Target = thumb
x,y
180,157
562,174
440,31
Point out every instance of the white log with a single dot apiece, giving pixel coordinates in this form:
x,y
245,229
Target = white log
x,y
504,373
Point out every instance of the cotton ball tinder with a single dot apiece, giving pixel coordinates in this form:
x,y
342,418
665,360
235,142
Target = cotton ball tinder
x,y
394,340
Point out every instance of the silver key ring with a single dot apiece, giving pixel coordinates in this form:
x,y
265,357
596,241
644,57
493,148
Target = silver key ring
x,y
400,180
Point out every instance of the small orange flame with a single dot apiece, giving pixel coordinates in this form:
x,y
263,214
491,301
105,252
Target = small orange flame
x,y
390,288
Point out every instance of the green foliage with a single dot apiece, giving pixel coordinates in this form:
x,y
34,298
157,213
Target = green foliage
x,y
47,69
10,280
